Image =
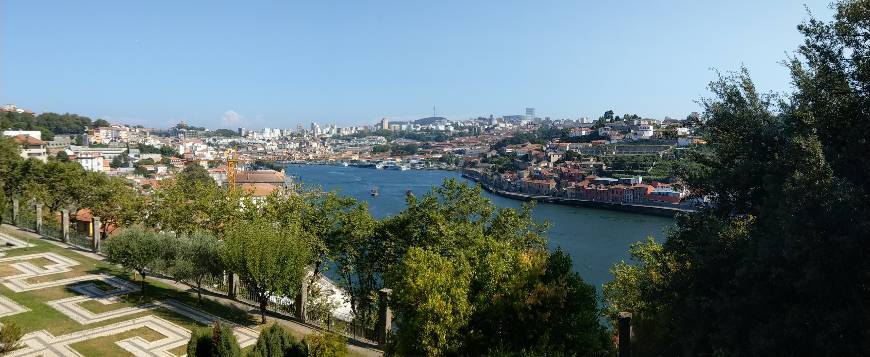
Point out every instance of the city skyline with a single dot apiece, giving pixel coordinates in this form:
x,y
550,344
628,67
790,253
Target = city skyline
x,y
268,65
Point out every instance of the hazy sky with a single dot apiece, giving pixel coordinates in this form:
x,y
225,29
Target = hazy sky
x,y
276,64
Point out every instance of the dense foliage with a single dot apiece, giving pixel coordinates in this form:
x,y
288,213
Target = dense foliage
x,y
269,252
326,345
778,265
217,341
139,250
274,341
47,123
197,257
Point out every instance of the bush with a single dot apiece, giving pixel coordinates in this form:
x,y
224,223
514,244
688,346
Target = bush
x,y
218,341
275,341
225,344
326,345
200,343
10,334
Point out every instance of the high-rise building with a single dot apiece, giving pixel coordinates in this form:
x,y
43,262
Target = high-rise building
x,y
530,112
385,124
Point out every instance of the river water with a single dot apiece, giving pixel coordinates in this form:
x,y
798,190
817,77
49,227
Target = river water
x,y
594,238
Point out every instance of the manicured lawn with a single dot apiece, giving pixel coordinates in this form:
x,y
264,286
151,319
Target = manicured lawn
x,y
98,307
44,317
105,346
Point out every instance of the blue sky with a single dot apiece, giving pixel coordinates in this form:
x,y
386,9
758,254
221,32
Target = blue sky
x,y
276,64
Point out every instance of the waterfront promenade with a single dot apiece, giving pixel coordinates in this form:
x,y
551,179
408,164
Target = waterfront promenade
x,y
657,210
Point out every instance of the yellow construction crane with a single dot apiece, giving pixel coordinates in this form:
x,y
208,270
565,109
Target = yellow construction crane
x,y
232,158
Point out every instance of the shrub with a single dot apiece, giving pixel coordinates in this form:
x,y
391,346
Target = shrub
x,y
218,341
200,343
326,345
10,335
275,341
225,344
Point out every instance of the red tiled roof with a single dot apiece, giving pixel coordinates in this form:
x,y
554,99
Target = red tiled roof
x,y
260,176
259,189
27,139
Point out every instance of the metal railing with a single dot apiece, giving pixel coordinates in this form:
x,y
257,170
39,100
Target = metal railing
x,y
27,218
51,226
7,214
80,240
343,324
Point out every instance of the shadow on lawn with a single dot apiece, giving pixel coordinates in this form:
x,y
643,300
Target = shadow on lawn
x,y
158,291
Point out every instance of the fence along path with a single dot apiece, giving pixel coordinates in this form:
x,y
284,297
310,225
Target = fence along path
x,y
341,323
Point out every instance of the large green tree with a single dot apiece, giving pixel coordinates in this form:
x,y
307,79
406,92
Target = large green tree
x,y
778,265
472,279
270,252
431,298
197,257
141,251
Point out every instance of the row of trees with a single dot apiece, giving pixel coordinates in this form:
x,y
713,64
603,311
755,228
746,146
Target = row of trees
x,y
49,123
485,278
778,266
60,184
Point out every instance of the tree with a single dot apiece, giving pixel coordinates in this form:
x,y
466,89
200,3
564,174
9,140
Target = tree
x,y
200,343
359,258
472,279
226,133
197,257
195,173
270,257
778,264
275,341
116,202
65,180
62,156
100,123
546,307
218,341
377,149
225,344
184,205
139,250
323,216
431,296
120,161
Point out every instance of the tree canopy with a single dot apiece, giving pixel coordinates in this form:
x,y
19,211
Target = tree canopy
x,y
777,265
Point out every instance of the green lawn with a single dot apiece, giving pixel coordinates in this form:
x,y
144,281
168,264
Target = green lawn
x,y
43,317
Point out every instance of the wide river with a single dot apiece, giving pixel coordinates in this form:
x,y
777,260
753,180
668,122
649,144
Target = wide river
x,y
594,238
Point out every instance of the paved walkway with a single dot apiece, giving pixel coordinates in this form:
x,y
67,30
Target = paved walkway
x,y
43,343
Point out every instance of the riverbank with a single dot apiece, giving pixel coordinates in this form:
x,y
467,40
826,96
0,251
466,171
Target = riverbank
x,y
661,211
595,238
